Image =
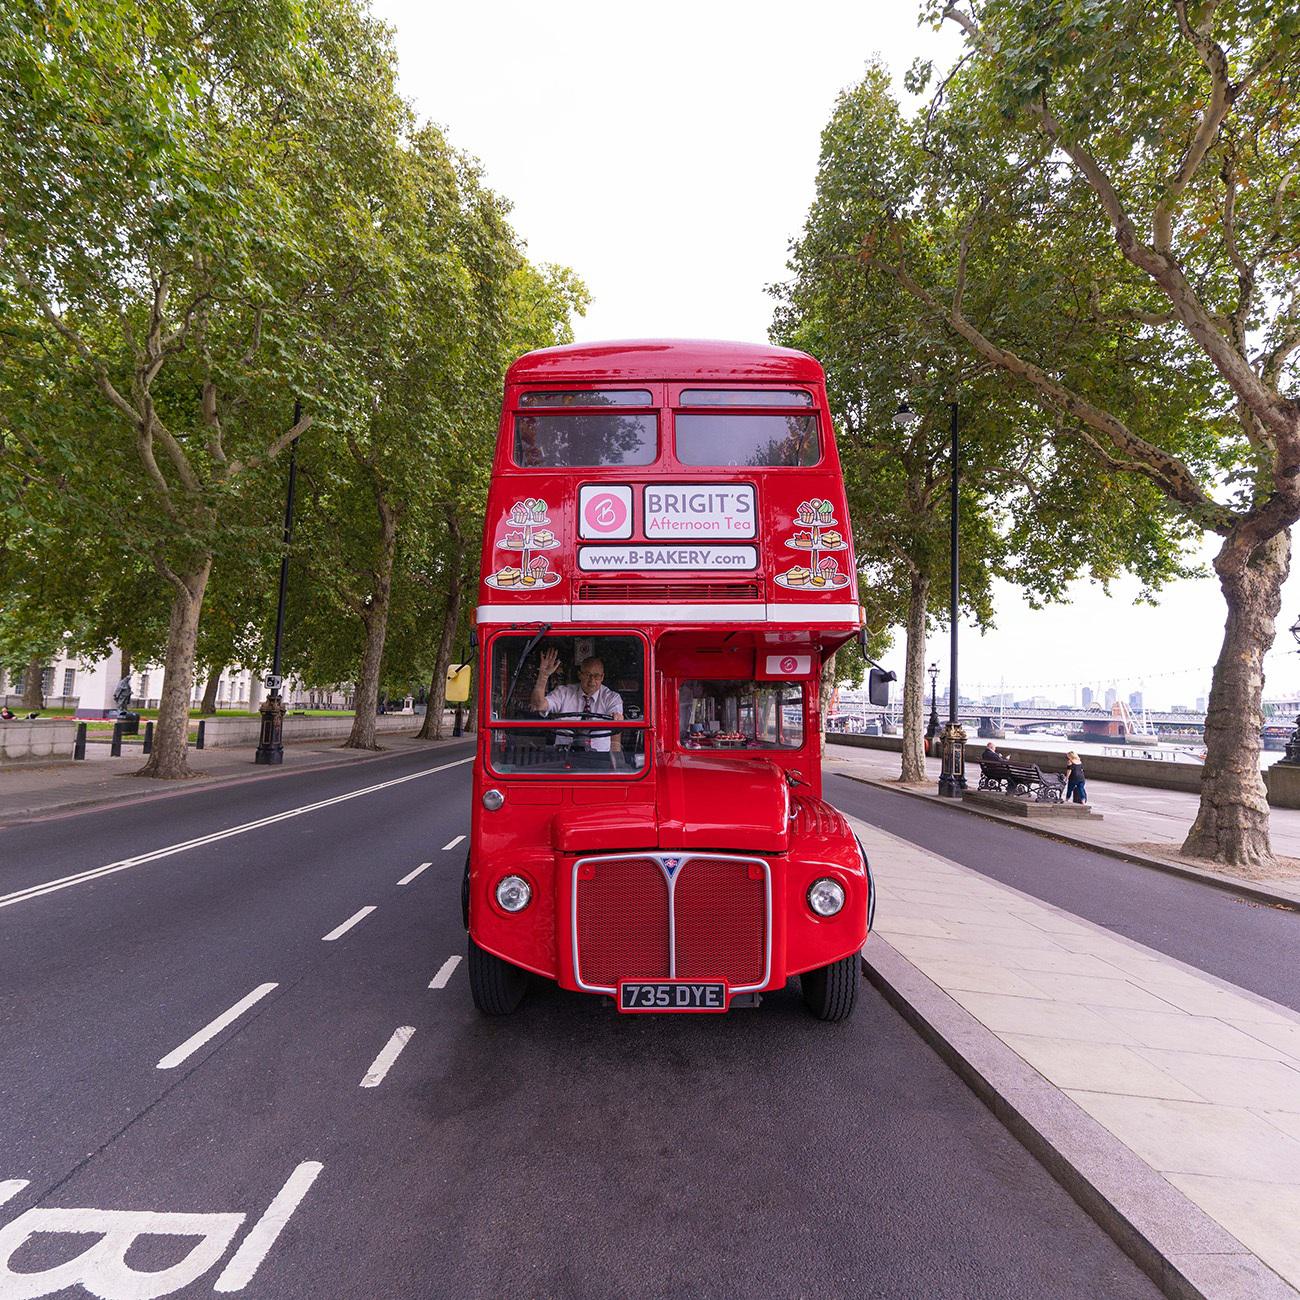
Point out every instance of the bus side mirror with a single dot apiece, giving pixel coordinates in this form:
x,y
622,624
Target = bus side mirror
x,y
878,687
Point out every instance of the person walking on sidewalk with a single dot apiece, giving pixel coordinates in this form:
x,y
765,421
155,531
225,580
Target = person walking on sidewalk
x,y
1074,782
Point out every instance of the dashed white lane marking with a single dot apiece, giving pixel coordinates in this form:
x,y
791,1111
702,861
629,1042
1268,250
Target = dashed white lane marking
x,y
10,1188
410,876
347,925
453,844
212,1029
445,971
384,1061
66,882
262,1235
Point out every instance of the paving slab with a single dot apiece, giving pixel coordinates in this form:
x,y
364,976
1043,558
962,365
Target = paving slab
x,y
1166,1100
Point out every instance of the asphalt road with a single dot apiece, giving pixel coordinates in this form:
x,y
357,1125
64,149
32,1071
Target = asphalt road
x,y
380,1139
1248,943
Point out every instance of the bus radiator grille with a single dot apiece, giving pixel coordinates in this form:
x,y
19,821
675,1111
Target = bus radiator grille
x,y
720,909
622,908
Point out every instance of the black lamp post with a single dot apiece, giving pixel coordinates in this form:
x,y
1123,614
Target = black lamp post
x,y
952,780
932,729
1292,754
270,745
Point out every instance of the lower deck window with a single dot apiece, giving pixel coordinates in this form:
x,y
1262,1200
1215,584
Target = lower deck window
x,y
740,715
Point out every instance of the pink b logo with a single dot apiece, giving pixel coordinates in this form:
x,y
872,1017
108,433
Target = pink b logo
x,y
604,513
789,664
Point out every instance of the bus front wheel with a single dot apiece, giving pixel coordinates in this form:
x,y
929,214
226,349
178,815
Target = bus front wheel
x,y
831,991
496,986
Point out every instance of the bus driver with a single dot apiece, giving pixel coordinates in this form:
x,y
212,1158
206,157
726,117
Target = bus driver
x,y
588,697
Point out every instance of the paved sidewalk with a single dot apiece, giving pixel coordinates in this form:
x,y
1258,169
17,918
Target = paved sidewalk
x,y
1132,815
1166,1100
37,789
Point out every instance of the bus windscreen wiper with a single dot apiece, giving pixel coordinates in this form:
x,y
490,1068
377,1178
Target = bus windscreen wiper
x,y
519,667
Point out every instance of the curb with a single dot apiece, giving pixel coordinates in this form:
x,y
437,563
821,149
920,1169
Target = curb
x,y
1255,893
1173,1241
202,782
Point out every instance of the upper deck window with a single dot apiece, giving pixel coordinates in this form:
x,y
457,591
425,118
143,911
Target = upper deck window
x,y
745,397
737,439
573,441
589,397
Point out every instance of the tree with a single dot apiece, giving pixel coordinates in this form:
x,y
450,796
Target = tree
x,y
1116,186
1019,509
176,183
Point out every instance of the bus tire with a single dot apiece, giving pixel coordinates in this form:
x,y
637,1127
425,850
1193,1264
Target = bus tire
x,y
496,986
464,895
830,992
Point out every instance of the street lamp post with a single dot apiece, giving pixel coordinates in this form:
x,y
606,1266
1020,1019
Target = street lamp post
x,y
1292,755
952,780
270,745
932,727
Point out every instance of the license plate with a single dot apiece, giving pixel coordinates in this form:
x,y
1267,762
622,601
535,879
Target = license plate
x,y
672,995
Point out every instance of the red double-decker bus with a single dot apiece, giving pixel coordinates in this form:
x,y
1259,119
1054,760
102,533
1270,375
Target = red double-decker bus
x,y
667,563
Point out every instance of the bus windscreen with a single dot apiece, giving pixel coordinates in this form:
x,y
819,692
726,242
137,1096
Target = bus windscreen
x,y
581,441
726,439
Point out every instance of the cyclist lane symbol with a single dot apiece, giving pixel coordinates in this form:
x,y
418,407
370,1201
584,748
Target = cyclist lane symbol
x,y
102,1268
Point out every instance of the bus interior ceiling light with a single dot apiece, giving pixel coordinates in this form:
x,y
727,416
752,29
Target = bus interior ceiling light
x,y
493,799
514,893
826,896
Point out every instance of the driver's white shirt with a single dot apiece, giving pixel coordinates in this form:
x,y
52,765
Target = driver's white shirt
x,y
568,699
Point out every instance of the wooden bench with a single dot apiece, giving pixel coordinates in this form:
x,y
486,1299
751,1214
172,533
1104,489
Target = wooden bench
x,y
1022,779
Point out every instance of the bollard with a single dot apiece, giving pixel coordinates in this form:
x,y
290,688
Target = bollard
x,y
115,749
79,745
458,728
198,742
148,737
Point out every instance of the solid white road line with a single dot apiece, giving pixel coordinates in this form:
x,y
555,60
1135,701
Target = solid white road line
x,y
11,1187
453,844
212,1029
347,925
406,880
261,1236
439,981
66,882
384,1061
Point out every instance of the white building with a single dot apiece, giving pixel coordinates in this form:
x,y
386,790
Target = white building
x,y
88,685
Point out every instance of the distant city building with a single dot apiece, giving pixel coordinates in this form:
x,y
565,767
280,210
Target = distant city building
x,y
1087,697
1111,696
1200,704
1135,700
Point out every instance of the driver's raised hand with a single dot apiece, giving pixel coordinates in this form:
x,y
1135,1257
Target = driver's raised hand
x,y
550,662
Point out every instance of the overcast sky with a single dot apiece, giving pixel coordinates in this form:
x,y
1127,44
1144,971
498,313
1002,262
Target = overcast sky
x,y
669,154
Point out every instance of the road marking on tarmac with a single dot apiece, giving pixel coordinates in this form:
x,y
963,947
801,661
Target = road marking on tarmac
x,y
262,1236
66,882
384,1061
103,1267
445,972
410,876
453,844
10,1187
213,1028
339,930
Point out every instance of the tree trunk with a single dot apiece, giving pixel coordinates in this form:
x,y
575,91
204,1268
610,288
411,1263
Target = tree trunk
x,y
1231,826
170,758
33,696
126,662
209,706
913,768
375,619
433,722
827,695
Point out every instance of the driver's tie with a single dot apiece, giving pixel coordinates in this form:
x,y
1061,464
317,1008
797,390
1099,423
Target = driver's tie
x,y
588,704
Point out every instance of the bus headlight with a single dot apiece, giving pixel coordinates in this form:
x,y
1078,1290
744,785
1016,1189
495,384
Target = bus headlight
x,y
514,893
493,799
826,896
